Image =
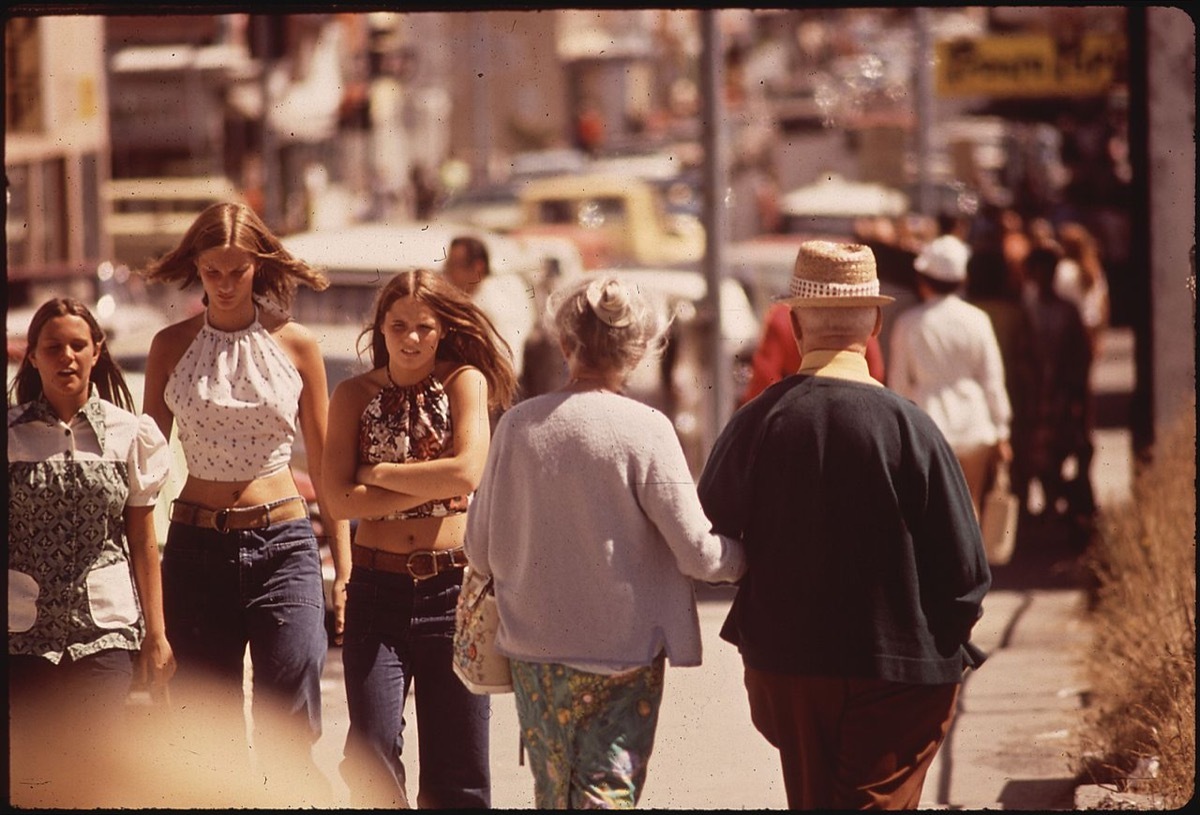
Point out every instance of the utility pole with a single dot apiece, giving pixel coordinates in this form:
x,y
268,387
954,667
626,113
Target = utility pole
x,y
481,103
923,69
716,218
268,148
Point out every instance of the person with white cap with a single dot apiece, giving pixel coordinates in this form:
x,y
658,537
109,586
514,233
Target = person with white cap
x,y
865,566
944,356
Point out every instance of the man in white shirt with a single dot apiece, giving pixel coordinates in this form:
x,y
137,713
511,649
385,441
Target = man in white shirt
x,y
505,299
944,356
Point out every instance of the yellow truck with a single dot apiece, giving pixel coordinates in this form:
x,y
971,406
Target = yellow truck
x,y
616,220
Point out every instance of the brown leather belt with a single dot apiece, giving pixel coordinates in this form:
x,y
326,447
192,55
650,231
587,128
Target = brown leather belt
x,y
419,565
239,518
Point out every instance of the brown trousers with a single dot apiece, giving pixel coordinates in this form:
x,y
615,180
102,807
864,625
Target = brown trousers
x,y
851,743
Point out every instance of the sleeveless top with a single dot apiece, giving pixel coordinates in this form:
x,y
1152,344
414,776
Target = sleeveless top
x,y
236,397
410,423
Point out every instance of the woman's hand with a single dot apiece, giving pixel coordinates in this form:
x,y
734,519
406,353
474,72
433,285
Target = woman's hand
x,y
155,663
339,609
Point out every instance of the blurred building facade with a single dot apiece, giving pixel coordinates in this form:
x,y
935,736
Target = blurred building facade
x,y
324,119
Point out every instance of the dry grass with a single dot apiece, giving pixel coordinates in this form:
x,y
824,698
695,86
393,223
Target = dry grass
x,y
1143,665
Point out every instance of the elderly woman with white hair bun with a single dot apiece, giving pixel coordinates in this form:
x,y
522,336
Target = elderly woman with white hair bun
x,y
589,522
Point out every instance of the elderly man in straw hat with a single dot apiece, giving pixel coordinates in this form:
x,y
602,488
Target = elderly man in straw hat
x,y
866,568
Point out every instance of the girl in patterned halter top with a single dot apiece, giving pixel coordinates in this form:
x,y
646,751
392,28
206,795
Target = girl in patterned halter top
x,y
411,423
406,448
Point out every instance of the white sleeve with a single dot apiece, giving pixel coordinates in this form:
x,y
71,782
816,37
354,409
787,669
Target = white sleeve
x,y
149,463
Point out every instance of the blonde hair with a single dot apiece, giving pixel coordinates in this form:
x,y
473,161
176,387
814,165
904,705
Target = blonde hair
x,y
276,271
607,323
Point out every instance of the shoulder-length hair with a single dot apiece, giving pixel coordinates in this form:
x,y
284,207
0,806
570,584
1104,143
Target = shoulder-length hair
x,y
106,375
468,337
276,272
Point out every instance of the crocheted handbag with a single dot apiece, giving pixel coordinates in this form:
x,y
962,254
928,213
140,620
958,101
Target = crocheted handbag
x,y
476,620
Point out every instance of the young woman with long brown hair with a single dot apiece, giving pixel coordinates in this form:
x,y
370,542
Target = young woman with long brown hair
x,y
407,444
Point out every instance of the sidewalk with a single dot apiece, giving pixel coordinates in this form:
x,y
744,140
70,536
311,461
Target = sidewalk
x,y
1015,741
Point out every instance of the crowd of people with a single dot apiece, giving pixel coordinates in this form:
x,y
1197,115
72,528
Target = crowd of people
x,y
842,499
1010,314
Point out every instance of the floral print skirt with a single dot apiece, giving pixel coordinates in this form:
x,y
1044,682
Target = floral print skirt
x,y
589,736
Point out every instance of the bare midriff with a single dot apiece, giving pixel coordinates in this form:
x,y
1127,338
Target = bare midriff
x,y
228,494
411,534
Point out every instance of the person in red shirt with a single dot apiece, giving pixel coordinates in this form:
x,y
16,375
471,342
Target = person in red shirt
x,y
778,355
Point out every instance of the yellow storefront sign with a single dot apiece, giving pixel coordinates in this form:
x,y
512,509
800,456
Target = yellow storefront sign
x,y
1028,66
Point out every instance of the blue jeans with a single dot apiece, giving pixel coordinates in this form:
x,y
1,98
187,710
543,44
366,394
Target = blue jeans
x,y
399,632
262,587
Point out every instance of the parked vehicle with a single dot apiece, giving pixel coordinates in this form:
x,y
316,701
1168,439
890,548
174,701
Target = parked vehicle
x,y
832,204
615,219
496,207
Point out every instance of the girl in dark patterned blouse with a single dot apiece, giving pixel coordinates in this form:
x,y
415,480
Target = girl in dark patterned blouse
x,y
84,593
406,448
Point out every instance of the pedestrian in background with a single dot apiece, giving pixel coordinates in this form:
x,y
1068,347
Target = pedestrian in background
x,y
85,616
1053,374
944,356
407,445
866,570
588,521
504,299
241,564
1080,279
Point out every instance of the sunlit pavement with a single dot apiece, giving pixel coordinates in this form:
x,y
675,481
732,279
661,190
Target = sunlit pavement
x,y
707,754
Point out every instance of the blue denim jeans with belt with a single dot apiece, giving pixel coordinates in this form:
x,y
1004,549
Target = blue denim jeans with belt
x,y
398,636
261,587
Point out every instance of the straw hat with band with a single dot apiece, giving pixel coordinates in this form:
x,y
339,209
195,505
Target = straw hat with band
x,y
834,275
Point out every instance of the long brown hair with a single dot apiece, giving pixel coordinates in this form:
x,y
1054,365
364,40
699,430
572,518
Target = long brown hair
x,y
106,375
468,335
276,272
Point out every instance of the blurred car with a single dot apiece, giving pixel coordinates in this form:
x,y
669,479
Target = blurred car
x,y
678,384
496,207
360,259
832,204
615,220
148,216
667,170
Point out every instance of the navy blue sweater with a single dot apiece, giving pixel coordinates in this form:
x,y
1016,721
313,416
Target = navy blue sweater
x,y
865,557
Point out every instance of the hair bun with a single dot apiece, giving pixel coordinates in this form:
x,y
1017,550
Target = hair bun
x,y
610,302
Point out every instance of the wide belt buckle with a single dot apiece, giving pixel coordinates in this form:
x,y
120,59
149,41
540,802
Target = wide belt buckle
x,y
221,520
414,557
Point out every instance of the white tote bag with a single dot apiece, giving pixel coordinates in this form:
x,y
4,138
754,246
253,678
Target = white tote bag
x,y
998,520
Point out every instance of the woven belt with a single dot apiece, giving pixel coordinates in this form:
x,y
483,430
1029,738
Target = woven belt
x,y
239,518
419,565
